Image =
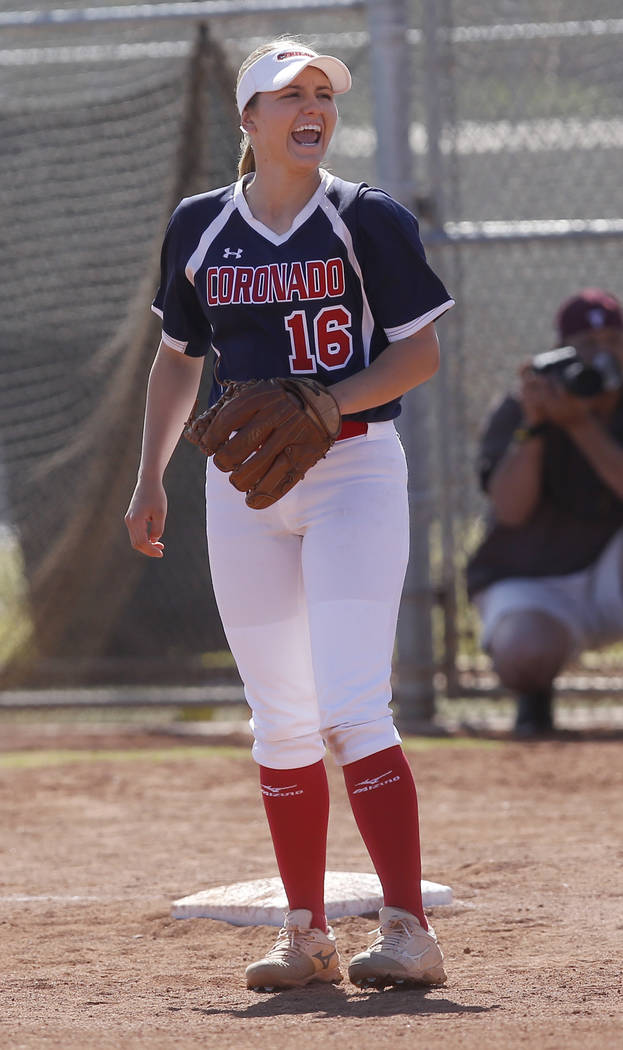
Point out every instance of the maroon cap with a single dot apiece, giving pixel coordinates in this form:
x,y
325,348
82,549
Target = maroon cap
x,y
589,308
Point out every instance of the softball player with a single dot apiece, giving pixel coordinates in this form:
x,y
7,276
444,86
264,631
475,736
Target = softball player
x,y
292,271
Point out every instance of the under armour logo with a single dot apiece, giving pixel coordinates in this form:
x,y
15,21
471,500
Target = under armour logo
x,y
236,252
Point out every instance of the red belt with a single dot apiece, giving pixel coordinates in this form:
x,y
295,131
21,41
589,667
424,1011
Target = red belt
x,y
351,428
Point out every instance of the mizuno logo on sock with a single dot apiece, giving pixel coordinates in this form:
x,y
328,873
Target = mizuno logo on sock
x,y
375,782
280,792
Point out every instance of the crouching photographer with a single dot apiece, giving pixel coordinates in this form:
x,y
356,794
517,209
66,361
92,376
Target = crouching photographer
x,y
547,579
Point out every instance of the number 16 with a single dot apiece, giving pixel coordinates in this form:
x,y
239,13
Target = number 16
x,y
332,346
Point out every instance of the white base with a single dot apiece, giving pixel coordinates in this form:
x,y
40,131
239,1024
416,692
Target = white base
x,y
262,902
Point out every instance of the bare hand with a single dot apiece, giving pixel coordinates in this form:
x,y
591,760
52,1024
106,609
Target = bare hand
x,y
545,400
146,516
564,409
534,390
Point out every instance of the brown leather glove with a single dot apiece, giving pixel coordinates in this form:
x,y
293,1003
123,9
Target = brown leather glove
x,y
267,433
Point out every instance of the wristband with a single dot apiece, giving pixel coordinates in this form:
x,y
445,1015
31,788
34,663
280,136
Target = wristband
x,y
523,434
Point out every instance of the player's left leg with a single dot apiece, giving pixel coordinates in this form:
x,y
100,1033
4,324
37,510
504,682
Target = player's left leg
x,y
354,558
355,513
383,797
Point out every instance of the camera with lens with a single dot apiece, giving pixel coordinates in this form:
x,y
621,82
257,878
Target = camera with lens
x,y
577,376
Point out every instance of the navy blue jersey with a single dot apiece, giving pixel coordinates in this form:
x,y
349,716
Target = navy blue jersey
x,y
323,299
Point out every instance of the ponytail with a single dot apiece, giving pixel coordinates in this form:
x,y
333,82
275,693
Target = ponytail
x,y
246,164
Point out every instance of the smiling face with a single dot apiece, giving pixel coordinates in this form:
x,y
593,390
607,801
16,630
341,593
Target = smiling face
x,y
292,127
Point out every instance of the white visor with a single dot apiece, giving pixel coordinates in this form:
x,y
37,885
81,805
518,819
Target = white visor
x,y
278,68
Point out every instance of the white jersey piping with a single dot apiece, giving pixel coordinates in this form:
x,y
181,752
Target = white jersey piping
x,y
341,230
240,202
403,331
206,239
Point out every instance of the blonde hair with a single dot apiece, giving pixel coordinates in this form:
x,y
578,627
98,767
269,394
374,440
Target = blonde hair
x,y
246,163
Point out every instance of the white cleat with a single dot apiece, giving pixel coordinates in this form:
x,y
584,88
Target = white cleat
x,y
402,954
298,956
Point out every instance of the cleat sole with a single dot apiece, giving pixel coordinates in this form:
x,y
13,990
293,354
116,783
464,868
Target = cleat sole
x,y
383,980
336,978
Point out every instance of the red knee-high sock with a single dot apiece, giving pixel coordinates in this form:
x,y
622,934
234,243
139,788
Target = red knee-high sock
x,y
297,806
382,794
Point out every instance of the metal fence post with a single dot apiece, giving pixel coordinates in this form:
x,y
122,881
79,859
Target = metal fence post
x,y
445,393
390,76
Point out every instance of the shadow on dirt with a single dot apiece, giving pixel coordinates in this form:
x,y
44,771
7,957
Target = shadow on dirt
x,y
336,1002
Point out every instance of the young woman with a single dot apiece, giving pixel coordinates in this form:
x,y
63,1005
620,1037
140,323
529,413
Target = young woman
x,y
292,271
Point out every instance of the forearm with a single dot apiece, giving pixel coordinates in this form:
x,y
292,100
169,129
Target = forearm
x,y
603,453
515,485
401,366
171,393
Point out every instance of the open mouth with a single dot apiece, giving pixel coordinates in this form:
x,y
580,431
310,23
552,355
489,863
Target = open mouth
x,y
307,134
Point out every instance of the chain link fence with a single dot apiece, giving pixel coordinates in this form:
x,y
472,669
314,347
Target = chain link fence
x,y
515,140
530,208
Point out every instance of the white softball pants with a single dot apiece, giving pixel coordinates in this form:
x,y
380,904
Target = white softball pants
x,y
308,591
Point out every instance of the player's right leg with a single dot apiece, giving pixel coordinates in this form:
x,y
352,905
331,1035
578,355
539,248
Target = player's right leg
x,y
301,954
255,562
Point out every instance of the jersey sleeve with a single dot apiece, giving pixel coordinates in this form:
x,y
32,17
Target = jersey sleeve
x,y
404,293
184,325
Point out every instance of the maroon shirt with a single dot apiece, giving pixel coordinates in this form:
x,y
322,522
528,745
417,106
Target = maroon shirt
x,y
575,519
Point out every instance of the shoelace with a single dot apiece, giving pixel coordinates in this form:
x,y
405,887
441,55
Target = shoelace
x,y
285,946
391,935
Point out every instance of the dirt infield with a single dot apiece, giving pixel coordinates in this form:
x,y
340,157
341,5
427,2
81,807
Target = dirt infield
x,y
97,843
